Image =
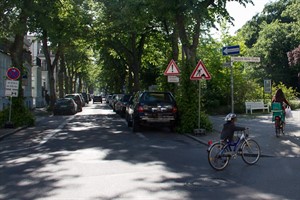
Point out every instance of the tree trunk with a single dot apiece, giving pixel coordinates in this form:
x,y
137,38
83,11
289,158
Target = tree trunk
x,y
51,67
61,77
174,41
79,89
188,119
137,49
16,50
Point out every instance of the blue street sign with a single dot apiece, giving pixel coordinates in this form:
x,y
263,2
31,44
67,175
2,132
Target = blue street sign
x,y
231,50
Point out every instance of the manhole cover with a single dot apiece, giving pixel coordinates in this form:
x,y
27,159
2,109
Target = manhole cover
x,y
208,182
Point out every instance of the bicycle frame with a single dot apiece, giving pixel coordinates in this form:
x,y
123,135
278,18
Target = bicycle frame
x,y
230,144
220,152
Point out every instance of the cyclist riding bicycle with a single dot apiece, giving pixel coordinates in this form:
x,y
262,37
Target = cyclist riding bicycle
x,y
229,127
280,98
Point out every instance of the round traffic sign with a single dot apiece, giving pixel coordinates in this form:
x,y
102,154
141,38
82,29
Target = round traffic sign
x,y
13,73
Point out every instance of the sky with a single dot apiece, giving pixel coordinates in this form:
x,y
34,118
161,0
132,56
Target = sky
x,y
241,14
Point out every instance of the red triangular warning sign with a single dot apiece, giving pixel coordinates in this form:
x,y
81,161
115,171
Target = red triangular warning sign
x,y
172,69
200,72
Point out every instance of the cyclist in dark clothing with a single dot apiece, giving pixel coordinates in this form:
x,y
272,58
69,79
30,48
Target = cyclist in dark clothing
x,y
229,127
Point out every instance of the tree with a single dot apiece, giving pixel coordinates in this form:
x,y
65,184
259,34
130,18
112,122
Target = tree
x,y
127,27
59,24
191,19
276,33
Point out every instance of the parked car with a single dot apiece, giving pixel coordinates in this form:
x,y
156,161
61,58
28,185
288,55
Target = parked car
x,y
86,97
129,111
65,106
152,108
77,100
82,99
120,105
108,98
114,99
97,98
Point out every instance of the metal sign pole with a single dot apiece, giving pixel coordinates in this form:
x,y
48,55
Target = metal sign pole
x,y
199,104
9,117
232,93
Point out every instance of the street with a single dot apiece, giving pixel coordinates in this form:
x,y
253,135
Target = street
x,y
94,155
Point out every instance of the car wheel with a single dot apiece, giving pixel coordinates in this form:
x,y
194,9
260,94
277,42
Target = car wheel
x,y
135,125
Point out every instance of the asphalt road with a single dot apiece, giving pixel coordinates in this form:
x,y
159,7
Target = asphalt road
x,y
94,155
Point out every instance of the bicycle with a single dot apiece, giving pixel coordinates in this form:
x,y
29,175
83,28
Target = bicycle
x,y
220,153
278,118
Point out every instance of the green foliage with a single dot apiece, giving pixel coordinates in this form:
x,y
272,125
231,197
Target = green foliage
x,y
289,92
187,100
24,119
270,35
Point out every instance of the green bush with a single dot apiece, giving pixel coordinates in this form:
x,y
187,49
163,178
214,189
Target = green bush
x,y
295,104
20,116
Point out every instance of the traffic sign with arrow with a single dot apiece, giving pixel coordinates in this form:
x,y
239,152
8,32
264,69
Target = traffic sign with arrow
x,y
231,50
11,88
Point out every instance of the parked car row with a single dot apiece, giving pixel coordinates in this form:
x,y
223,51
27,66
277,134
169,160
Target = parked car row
x,y
71,103
146,109
141,109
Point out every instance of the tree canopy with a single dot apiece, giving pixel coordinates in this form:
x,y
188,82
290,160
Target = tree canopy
x,y
114,46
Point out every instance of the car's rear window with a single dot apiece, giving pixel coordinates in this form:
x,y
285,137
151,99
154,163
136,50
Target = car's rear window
x,y
61,101
126,98
157,97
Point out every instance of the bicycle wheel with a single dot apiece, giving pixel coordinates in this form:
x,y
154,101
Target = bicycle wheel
x,y
216,157
250,151
282,127
277,127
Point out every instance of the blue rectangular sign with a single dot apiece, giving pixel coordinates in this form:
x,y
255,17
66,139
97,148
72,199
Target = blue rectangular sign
x,y
231,50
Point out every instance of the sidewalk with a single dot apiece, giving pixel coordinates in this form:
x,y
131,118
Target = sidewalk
x,y
262,130
39,114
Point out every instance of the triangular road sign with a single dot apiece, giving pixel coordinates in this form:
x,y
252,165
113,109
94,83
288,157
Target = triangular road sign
x,y
172,69
200,72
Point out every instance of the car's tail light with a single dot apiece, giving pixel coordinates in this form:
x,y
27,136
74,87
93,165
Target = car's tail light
x,y
140,109
174,109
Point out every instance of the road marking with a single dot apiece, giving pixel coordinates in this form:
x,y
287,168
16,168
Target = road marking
x,y
141,136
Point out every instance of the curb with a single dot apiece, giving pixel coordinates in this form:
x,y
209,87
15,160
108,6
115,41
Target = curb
x,y
12,131
15,130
